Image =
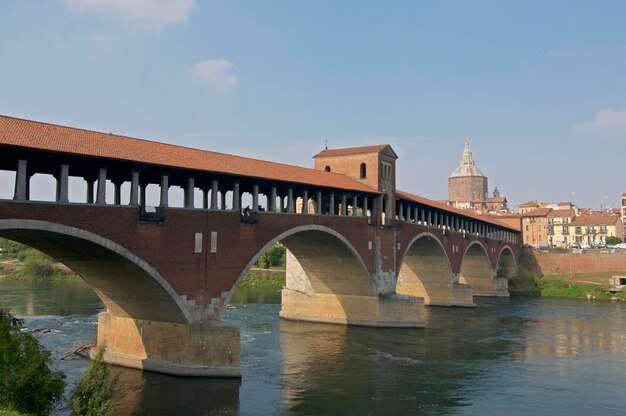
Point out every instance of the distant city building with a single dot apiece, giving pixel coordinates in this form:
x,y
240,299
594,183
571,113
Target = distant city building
x,y
468,187
529,206
595,228
559,225
535,227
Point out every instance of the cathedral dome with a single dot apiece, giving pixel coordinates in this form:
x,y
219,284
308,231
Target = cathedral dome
x,y
467,166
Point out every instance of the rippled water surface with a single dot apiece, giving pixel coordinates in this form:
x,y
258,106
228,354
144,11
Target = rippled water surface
x,y
515,357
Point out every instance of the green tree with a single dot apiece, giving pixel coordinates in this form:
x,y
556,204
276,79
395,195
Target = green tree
x,y
612,240
27,382
96,391
275,256
505,266
37,265
13,248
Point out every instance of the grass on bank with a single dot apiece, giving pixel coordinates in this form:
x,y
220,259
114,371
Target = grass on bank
x,y
265,278
575,286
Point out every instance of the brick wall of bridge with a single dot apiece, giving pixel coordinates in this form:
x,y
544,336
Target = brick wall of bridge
x,y
169,247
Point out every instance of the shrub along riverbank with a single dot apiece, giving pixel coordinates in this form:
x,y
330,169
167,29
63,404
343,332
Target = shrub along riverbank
x,y
575,286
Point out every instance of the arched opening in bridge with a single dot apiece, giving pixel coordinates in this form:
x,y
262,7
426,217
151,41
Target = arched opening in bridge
x,y
425,271
323,274
476,270
507,266
128,287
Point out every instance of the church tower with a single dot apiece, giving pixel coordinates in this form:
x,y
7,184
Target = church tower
x,y
467,186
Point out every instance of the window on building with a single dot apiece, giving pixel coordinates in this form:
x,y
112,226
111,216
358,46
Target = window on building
x,y
540,238
526,227
327,168
363,170
539,227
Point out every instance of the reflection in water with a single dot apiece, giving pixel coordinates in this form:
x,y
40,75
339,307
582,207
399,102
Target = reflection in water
x,y
340,370
151,394
40,298
514,357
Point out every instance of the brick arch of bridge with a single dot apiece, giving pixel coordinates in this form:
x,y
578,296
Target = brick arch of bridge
x,y
326,262
127,285
475,265
425,270
510,262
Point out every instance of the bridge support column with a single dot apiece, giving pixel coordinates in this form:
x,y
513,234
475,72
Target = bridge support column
x,y
63,184
214,191
164,191
300,302
205,199
439,294
189,193
255,197
134,189
21,181
390,311
272,202
117,197
496,287
209,349
102,186
290,204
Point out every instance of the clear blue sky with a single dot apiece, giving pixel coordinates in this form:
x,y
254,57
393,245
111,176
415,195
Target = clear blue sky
x,y
538,87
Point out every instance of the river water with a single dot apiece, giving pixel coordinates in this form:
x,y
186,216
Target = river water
x,y
515,357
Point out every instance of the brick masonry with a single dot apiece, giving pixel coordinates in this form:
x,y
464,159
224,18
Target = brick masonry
x,y
203,277
565,263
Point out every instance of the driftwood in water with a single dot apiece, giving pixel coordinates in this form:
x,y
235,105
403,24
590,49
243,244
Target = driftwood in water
x,y
80,349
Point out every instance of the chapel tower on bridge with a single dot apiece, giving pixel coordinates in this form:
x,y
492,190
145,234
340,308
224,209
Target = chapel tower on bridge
x,y
374,165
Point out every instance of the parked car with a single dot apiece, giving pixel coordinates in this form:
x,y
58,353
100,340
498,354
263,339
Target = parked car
x,y
621,246
585,246
574,245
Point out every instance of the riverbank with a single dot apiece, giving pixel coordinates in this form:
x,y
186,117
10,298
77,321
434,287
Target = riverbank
x,y
271,278
572,286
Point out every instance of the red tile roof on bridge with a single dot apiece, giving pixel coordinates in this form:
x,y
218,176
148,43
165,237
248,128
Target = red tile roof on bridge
x,y
68,140
452,210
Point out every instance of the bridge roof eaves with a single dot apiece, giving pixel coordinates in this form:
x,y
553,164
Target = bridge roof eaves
x,y
452,210
41,136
